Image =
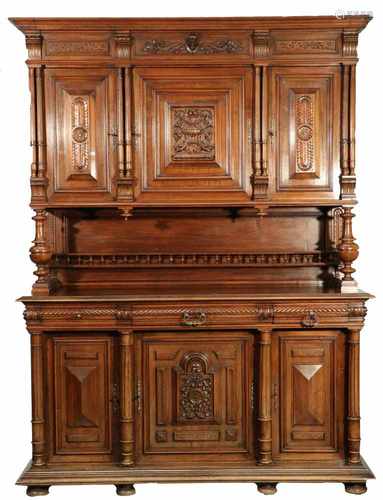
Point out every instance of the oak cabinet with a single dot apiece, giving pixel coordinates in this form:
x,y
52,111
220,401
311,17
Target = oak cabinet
x,y
81,134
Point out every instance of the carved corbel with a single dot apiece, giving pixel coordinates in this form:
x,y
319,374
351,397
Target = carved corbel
x,y
261,43
350,43
348,251
34,44
124,41
41,254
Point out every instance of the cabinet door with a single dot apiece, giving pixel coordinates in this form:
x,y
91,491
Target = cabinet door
x,y
308,394
192,127
81,128
305,150
82,387
196,396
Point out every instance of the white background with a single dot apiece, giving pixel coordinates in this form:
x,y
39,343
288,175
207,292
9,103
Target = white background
x,y
17,229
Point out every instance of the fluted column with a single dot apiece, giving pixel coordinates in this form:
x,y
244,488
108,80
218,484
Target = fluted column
x,y
127,398
264,404
353,410
38,420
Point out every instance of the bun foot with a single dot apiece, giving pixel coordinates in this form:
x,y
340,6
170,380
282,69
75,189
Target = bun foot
x,y
267,488
37,491
356,488
125,490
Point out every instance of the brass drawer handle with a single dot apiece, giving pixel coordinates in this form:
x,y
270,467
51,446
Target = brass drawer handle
x,y
193,318
310,320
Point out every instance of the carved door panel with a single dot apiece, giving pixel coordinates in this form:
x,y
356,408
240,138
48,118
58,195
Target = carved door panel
x,y
81,134
305,126
196,399
192,127
308,394
82,386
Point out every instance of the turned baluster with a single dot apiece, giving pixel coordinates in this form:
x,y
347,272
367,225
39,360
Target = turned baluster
x,y
40,254
348,251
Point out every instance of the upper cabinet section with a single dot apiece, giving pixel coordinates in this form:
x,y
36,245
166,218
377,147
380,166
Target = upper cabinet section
x,y
192,112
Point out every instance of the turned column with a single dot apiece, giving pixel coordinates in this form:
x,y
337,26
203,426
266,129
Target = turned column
x,y
353,411
127,398
348,251
38,421
40,254
264,403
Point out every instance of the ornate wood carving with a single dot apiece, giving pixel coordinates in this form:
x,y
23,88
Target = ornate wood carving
x,y
34,43
353,411
348,251
305,46
127,398
80,133
304,122
193,318
347,143
193,130
196,386
261,42
124,40
350,43
75,47
192,45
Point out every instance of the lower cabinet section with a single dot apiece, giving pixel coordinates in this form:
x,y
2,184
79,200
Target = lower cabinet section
x,y
308,394
197,400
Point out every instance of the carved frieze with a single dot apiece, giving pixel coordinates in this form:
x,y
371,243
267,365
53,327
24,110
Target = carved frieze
x,y
192,133
305,46
77,47
192,44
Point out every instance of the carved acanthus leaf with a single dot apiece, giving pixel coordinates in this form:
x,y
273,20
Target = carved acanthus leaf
x,y
192,45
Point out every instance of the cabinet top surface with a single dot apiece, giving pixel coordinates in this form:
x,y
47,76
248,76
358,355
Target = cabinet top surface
x,y
27,24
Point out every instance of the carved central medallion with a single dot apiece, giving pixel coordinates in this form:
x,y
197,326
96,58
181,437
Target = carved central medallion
x,y
80,134
192,133
196,389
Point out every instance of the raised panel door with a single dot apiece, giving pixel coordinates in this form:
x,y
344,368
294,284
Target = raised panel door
x,y
82,384
196,396
191,134
81,134
305,126
308,393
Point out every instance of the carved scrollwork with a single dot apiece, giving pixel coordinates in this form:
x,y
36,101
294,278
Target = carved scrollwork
x,y
192,45
304,109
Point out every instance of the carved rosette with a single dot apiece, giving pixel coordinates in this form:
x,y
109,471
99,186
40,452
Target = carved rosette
x,y
304,133
196,389
192,132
